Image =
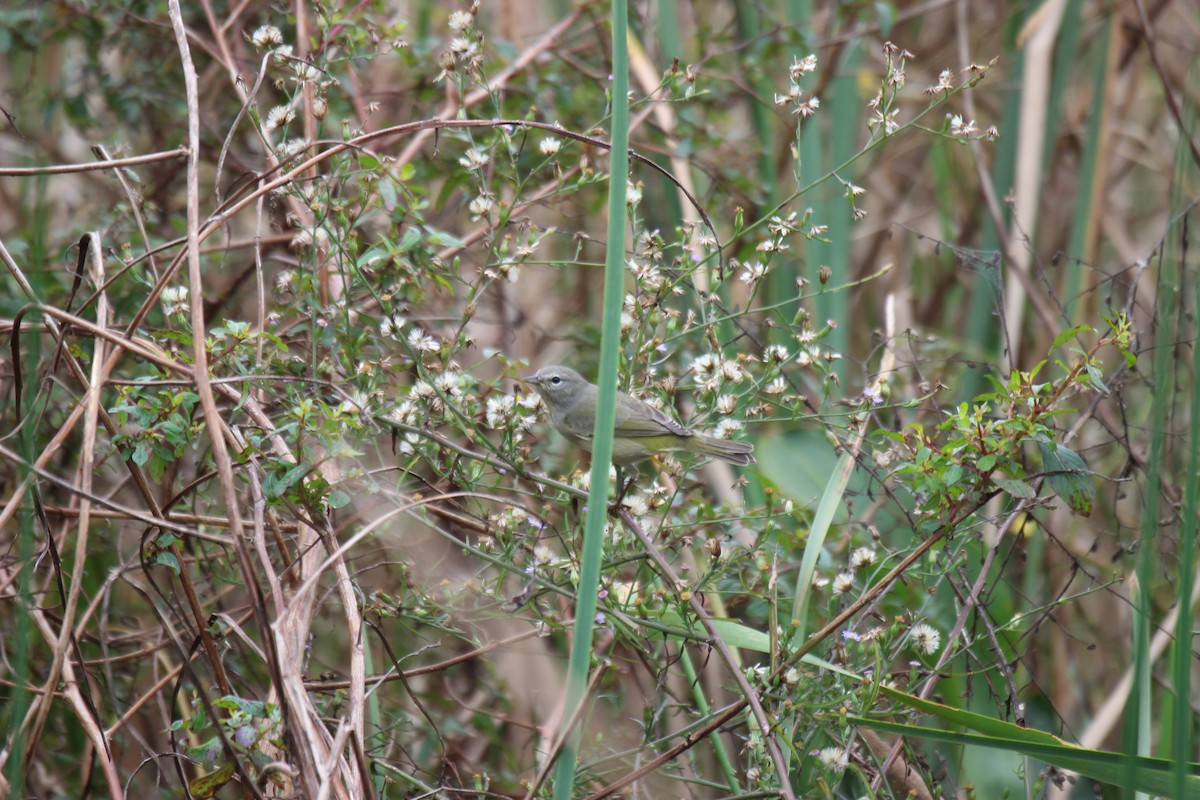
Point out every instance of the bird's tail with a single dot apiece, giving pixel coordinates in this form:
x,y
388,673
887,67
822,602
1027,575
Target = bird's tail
x,y
725,449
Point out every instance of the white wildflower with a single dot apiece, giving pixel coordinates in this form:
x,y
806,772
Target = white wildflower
x,y
474,158
633,195
637,505
463,48
792,95
405,413
550,146
925,638
317,237
421,390
960,128
803,66
461,21
843,583
833,758
279,116
304,72
732,371
266,36
449,383
357,403
808,107
775,353
293,146
862,557
704,367
500,410
391,325
175,300
726,403
726,428
422,342
480,207
753,272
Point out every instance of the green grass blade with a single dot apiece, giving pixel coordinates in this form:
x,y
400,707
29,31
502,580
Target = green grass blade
x,y
606,403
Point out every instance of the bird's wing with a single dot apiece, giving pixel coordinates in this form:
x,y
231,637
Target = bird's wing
x,y
637,418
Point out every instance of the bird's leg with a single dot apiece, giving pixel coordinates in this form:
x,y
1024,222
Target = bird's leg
x,y
633,475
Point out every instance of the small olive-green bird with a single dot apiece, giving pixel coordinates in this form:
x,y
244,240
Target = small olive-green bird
x,y
641,429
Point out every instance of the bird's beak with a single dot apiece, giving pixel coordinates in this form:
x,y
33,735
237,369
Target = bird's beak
x,y
531,380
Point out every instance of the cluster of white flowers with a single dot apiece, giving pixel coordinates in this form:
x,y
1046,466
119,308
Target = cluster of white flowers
x,y
464,48
648,273
881,118
801,106
711,371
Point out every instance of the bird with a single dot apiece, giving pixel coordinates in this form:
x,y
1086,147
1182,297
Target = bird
x,y
641,430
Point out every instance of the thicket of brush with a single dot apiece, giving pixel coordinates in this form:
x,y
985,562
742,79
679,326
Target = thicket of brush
x,y
279,520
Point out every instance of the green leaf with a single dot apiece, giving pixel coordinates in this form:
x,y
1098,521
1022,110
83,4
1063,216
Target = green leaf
x,y
1097,379
387,193
165,558
1151,775
208,785
953,474
1068,477
1068,335
1018,489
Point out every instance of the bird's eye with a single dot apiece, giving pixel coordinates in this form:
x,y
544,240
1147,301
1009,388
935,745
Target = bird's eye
x,y
556,380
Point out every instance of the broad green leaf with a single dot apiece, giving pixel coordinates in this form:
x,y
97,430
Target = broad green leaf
x,y
1153,775
1068,477
1018,489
